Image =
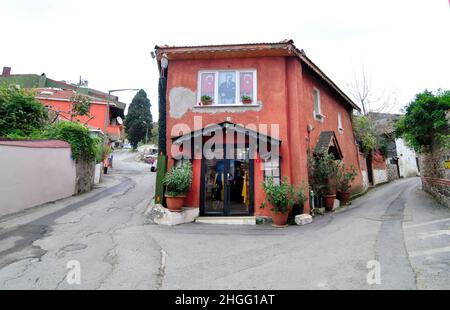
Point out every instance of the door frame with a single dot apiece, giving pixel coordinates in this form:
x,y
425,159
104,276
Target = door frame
x,y
226,202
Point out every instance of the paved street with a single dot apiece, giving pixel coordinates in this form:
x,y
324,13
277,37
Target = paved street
x,y
396,224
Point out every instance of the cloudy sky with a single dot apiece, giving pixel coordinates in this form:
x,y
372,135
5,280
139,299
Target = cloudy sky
x,y
403,45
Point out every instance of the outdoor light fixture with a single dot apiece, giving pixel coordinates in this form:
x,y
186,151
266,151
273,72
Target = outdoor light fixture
x,y
164,61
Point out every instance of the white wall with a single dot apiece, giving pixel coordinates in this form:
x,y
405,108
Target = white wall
x,y
31,176
379,176
406,159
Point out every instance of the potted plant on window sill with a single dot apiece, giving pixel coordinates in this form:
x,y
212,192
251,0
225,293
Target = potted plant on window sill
x,y
177,182
246,99
206,100
344,178
280,197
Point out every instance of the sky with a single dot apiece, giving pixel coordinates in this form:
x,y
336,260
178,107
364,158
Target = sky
x,y
402,46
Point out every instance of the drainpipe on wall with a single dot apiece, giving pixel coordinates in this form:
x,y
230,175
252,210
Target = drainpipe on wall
x,y
162,122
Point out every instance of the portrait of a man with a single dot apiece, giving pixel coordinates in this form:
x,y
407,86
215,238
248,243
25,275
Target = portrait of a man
x,y
227,87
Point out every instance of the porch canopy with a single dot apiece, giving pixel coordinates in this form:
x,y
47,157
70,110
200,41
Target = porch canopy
x,y
255,139
328,143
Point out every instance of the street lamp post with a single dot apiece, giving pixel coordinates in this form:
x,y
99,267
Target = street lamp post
x,y
105,132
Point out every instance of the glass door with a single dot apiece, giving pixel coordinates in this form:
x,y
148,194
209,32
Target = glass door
x,y
227,185
214,186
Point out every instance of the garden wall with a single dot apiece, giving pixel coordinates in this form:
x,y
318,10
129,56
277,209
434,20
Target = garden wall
x,y
439,188
33,173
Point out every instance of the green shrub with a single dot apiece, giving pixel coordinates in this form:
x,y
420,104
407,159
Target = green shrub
x,y
83,145
178,180
345,177
21,115
102,151
281,196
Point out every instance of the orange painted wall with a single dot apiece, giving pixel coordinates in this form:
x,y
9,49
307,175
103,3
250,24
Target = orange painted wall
x,y
285,90
330,106
97,110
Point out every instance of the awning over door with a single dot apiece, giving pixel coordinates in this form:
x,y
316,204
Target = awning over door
x,y
208,130
328,143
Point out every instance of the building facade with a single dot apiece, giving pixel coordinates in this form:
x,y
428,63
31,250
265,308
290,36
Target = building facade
x,y
106,112
269,107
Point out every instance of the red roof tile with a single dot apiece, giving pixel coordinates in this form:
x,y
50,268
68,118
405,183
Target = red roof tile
x,y
283,48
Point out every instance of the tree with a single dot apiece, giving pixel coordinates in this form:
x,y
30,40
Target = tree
x,y
81,106
425,122
362,92
20,113
138,121
365,133
154,136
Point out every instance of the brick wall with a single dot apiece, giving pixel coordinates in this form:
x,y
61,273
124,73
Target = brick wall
x,y
439,188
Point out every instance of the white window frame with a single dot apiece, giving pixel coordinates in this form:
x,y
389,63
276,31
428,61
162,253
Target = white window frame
x,y
238,86
270,164
318,116
340,128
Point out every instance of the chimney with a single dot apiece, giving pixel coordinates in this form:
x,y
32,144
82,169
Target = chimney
x,y
6,71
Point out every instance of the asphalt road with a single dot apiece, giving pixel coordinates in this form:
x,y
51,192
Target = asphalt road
x,y
397,225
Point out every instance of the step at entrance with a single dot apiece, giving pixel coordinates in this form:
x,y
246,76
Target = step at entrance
x,y
230,220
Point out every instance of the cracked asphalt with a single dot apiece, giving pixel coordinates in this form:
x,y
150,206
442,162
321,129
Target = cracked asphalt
x,y
396,224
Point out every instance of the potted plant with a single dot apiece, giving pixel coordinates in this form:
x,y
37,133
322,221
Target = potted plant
x,y
325,170
246,99
344,179
177,182
206,100
281,198
300,198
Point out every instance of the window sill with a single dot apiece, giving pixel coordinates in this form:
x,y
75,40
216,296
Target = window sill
x,y
227,105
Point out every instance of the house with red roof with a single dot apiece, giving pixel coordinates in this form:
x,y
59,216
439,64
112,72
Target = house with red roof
x,y
106,112
243,113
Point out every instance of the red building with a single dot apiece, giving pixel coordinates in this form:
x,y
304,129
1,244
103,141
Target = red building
x,y
58,96
62,100
294,108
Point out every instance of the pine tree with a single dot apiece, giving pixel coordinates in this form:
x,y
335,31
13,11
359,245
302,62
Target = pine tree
x,y
138,121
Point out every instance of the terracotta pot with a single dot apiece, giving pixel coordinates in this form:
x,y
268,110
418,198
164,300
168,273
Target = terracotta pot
x,y
207,102
344,197
279,219
329,201
247,101
175,203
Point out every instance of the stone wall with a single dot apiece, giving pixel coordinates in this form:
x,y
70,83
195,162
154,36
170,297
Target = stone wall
x,y
439,188
392,172
85,175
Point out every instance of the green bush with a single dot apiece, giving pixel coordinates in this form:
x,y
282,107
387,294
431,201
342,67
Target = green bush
x,y
102,151
345,177
83,145
281,196
178,180
21,115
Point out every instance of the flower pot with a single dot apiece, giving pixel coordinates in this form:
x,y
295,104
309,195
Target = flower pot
x,y
207,102
279,219
247,101
297,210
329,201
175,203
344,197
